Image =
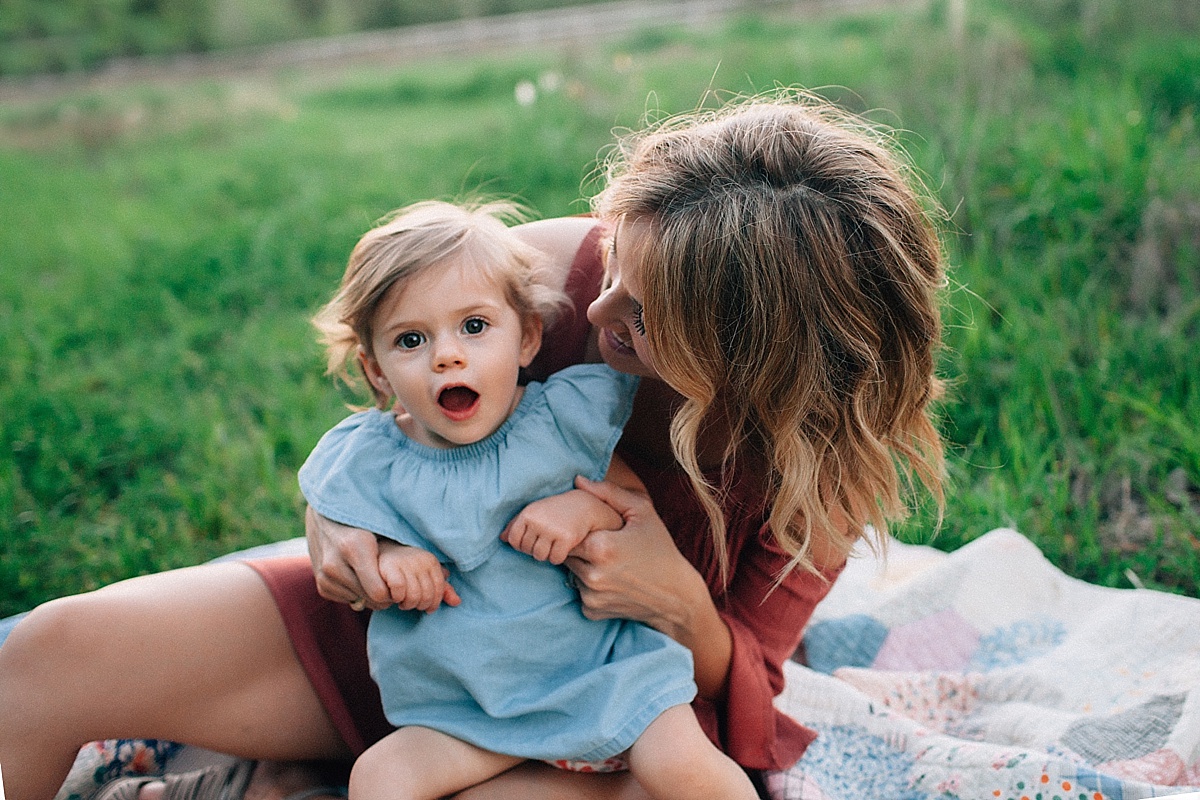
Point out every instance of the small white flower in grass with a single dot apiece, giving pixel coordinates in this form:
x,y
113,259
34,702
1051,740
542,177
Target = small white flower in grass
x,y
526,93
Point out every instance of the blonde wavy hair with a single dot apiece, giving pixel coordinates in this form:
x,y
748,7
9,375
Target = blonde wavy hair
x,y
791,288
418,237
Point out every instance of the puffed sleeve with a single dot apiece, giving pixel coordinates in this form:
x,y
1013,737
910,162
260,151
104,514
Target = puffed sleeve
x,y
766,624
345,476
590,404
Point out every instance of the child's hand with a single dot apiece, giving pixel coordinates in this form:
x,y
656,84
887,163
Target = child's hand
x,y
549,529
415,579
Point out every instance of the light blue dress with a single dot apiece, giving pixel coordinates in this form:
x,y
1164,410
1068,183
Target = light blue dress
x,y
516,668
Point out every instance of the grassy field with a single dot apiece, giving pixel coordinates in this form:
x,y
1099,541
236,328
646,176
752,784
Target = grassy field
x,y
64,36
161,247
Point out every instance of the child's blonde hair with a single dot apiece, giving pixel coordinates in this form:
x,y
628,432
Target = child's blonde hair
x,y
791,292
418,237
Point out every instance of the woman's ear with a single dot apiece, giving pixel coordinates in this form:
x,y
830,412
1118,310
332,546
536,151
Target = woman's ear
x,y
370,368
531,339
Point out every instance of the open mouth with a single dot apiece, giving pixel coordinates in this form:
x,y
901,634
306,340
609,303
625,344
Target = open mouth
x,y
458,400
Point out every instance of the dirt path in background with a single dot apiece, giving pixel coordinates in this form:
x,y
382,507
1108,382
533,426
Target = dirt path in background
x,y
579,25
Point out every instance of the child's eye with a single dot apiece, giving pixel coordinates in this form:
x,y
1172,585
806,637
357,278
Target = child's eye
x,y
474,326
639,320
410,340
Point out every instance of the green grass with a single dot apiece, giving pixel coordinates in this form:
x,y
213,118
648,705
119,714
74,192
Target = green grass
x,y
44,36
163,245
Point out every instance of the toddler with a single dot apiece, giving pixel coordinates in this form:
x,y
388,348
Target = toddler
x,y
486,658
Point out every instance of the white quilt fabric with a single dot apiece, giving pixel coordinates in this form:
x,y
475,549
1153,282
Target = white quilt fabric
x,y
987,673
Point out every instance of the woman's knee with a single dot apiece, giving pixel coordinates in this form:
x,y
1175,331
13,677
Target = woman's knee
x,y
44,666
59,632
117,635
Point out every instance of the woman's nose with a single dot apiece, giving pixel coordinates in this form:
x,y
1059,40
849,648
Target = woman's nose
x,y
607,308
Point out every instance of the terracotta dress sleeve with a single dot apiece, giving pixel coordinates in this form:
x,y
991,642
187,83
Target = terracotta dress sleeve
x,y
766,622
766,625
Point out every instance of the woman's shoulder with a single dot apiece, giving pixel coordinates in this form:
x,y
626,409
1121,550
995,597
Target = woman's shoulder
x,y
574,266
559,239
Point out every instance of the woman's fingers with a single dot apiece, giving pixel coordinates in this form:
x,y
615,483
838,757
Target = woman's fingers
x,y
361,555
345,562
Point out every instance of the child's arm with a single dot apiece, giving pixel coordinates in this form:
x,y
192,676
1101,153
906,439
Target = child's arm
x,y
416,580
549,529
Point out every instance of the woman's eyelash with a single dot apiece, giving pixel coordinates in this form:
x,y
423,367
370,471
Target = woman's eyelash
x,y
639,321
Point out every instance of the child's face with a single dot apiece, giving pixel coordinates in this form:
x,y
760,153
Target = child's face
x,y
449,346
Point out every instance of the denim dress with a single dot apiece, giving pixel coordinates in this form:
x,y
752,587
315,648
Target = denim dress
x,y
516,668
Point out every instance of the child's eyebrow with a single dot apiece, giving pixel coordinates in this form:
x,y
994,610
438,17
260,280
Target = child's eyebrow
x,y
478,308
465,311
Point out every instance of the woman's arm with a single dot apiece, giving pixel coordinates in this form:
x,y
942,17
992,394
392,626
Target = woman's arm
x,y
638,573
558,239
739,640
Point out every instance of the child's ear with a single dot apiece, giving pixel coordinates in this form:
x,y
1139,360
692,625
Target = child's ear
x,y
531,339
374,373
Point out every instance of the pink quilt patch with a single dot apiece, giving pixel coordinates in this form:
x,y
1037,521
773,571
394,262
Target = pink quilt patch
x,y
941,641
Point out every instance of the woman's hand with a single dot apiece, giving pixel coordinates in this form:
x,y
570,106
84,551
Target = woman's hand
x,y
638,573
346,562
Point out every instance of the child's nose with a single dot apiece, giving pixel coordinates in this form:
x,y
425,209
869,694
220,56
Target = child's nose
x,y
447,355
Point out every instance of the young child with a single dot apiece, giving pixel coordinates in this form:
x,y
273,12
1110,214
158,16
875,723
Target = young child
x,y
441,307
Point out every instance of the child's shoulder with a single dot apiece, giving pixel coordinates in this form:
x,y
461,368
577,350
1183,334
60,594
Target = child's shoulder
x,y
365,419
589,385
371,425
588,396
585,374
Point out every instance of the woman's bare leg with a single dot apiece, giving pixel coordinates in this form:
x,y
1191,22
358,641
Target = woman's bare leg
x,y
198,655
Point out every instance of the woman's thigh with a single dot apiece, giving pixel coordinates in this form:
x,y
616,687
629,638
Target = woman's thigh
x,y
197,655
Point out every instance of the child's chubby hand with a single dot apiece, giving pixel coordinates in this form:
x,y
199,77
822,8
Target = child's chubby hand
x,y
550,528
416,579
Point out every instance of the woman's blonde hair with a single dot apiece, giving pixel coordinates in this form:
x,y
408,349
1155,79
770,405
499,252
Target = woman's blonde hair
x,y
792,293
418,237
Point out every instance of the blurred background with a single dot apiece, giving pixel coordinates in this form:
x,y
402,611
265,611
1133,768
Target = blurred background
x,y
181,182
63,35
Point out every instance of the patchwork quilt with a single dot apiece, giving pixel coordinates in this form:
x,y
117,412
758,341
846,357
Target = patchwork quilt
x,y
988,673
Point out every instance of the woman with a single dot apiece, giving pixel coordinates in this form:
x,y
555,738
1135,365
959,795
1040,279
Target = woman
x,y
773,276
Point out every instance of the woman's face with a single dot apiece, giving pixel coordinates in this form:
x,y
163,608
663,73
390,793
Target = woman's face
x,y
617,312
